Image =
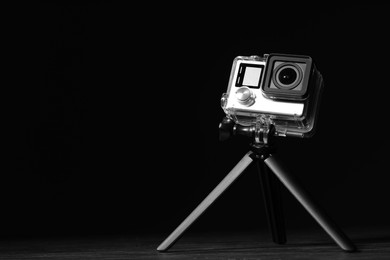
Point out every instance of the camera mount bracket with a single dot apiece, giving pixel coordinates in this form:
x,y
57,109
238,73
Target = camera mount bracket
x,y
272,174
262,132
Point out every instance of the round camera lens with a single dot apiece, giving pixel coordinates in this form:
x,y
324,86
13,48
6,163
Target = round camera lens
x,y
287,76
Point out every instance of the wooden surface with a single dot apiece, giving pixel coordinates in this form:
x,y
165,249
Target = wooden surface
x,y
373,243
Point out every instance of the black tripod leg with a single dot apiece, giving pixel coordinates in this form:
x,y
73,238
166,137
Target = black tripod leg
x,y
307,202
221,187
273,202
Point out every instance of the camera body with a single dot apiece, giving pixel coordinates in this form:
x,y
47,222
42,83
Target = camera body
x,y
279,89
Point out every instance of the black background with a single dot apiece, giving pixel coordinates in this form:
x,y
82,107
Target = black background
x,y
114,110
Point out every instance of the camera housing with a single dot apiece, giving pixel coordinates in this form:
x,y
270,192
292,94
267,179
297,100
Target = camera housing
x,y
279,89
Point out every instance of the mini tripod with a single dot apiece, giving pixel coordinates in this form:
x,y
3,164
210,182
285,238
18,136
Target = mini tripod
x,y
261,153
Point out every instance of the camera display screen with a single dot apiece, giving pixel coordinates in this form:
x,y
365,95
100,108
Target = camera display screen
x,y
249,75
252,76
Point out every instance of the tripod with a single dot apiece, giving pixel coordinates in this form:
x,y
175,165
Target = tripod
x,y
261,153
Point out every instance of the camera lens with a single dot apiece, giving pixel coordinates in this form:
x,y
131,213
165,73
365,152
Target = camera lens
x,y
287,76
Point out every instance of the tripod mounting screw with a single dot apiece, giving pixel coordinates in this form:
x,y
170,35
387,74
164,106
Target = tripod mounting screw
x,y
226,128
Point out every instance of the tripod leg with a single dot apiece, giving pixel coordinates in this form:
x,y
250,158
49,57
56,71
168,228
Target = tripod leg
x,y
314,209
221,187
273,202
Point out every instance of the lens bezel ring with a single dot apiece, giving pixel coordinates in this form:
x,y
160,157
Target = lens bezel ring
x,y
279,68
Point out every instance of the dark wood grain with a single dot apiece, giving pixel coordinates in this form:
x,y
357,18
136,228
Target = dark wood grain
x,y
373,243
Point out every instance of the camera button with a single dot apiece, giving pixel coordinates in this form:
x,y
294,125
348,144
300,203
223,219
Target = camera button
x,y
245,96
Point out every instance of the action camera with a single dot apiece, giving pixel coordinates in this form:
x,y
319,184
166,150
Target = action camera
x,y
279,89
273,95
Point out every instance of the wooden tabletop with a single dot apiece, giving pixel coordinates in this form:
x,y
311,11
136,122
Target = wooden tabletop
x,y
372,243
